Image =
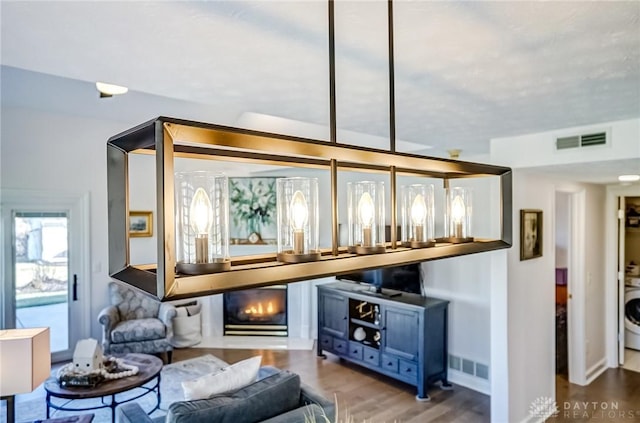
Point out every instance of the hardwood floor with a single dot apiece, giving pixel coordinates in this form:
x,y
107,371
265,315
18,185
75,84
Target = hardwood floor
x,y
613,397
365,395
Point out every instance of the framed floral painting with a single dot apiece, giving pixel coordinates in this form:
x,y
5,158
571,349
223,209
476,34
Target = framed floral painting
x,y
252,203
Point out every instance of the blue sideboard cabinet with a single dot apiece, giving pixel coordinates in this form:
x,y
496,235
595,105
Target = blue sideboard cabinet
x,y
401,335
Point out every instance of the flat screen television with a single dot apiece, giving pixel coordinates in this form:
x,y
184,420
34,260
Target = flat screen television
x,y
407,278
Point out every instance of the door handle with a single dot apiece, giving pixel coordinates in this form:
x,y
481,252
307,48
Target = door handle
x,y
75,287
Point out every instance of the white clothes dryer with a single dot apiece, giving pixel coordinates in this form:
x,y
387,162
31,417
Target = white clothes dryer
x,y
632,317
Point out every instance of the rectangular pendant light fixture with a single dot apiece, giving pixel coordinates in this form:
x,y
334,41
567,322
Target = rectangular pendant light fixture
x,y
168,138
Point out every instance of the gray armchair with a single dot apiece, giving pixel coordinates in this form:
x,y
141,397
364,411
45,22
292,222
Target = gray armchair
x,y
135,322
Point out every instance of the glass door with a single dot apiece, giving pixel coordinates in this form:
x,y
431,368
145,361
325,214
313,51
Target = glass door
x,y
41,269
45,252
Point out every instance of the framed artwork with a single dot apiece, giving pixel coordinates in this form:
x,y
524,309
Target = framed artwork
x,y
252,209
530,234
140,223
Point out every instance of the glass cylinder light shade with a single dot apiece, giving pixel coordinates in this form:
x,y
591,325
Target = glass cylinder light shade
x,y
297,203
458,213
202,222
417,211
366,217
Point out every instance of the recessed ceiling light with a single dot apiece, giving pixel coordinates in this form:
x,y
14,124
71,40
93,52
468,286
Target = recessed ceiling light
x,y
629,178
109,90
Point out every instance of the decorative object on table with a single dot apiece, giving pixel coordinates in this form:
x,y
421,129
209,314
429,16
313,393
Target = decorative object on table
x,y
87,355
458,213
25,363
140,223
366,222
530,234
359,334
253,210
136,322
202,223
298,219
89,367
418,215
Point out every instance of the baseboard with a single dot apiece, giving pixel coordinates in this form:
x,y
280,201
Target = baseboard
x,y
474,383
596,370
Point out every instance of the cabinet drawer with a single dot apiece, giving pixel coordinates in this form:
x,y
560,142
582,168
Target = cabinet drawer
x,y
389,363
326,342
340,345
355,350
371,356
408,370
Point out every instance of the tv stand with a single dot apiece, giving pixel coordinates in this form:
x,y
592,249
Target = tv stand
x,y
403,336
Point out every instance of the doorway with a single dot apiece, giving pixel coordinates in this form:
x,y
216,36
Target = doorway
x,y
45,277
629,265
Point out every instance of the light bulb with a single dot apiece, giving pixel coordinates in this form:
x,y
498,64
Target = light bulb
x,y
299,211
418,210
201,212
457,209
365,210
299,215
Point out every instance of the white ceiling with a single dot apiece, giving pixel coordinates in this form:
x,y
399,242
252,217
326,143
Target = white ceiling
x,y
465,71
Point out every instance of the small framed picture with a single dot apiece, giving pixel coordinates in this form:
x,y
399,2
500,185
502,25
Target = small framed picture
x,y
530,234
140,223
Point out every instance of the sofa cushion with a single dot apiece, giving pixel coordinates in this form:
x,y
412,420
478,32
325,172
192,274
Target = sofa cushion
x,y
138,330
227,379
258,401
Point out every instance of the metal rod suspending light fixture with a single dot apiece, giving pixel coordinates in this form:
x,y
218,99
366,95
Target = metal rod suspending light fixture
x,y
202,214
297,204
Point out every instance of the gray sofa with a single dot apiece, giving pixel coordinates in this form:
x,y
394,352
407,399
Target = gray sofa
x,y
277,396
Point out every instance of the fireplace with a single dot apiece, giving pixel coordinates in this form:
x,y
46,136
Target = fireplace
x,y
258,311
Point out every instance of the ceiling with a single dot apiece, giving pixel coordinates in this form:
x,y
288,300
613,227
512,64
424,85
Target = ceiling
x,y
465,72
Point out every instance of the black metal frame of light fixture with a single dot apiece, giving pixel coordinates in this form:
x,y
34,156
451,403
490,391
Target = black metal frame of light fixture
x,y
169,137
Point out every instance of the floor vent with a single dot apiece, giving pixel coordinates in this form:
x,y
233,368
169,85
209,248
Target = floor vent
x,y
578,141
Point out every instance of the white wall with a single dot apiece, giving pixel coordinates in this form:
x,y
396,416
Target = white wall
x,y
47,151
531,299
538,149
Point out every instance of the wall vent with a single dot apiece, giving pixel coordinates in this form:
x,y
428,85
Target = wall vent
x,y
579,141
469,367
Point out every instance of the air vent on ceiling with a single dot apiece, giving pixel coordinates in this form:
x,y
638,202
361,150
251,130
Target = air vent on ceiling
x,y
576,141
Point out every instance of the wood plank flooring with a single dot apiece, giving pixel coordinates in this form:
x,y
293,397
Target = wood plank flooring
x,y
613,397
363,394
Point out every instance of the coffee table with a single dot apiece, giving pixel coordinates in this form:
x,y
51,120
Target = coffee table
x,y
149,368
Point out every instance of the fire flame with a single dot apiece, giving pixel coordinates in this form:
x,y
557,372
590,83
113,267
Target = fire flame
x,y
259,309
